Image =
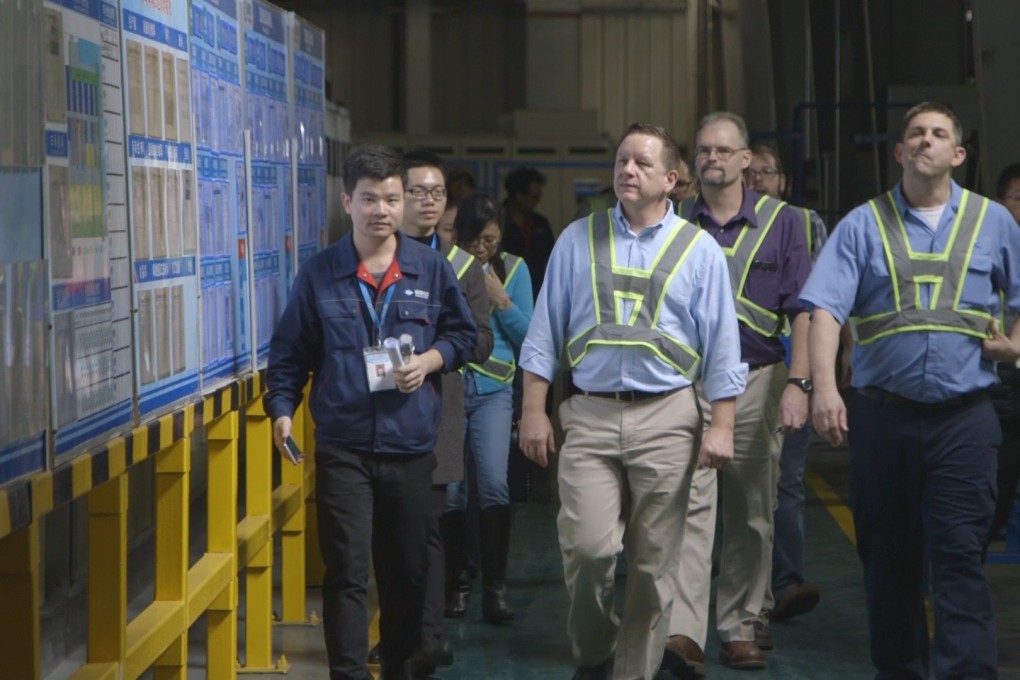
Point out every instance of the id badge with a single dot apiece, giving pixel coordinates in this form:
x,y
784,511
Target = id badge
x,y
378,369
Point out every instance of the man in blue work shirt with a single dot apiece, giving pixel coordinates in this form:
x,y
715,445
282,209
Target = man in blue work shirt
x,y
376,414
919,272
641,302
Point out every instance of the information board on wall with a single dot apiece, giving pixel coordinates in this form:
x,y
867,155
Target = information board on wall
x,y
222,201
24,307
268,118
89,400
162,189
307,44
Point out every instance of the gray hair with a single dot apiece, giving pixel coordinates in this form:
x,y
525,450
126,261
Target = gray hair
x,y
727,116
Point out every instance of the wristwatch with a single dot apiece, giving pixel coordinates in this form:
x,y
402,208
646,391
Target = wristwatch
x,y
802,383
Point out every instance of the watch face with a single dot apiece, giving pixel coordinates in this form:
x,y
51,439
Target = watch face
x,y
802,383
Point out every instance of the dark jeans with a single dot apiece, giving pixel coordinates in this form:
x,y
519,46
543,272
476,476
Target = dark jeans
x,y
380,504
788,540
925,475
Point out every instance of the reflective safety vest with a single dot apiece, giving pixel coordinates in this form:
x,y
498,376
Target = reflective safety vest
x,y
613,284
461,260
806,212
497,369
739,258
946,271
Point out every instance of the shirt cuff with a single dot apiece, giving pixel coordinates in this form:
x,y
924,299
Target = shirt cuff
x,y
730,384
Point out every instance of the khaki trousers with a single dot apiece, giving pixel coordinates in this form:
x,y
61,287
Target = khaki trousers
x,y
624,477
746,491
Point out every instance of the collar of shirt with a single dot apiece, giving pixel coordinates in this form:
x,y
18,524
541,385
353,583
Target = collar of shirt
x,y
744,216
905,209
347,263
622,225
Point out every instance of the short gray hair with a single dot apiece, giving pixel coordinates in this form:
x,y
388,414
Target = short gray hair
x,y
730,117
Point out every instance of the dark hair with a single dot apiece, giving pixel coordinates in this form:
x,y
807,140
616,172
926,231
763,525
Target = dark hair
x,y
933,107
375,162
461,174
670,149
1008,174
520,180
474,214
770,151
420,158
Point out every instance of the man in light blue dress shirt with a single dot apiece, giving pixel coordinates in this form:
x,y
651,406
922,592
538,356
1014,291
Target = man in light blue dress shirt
x,y
641,301
919,272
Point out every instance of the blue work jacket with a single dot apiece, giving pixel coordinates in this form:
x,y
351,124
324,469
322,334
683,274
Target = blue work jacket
x,y
326,326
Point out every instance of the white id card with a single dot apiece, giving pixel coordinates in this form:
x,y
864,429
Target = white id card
x,y
379,369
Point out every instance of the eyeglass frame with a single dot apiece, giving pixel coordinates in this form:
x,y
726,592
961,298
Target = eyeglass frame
x,y
723,153
763,172
488,241
425,191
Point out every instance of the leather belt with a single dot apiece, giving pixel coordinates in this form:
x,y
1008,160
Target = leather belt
x,y
629,395
957,402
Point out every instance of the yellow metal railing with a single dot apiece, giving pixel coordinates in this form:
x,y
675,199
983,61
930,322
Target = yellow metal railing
x,y
157,638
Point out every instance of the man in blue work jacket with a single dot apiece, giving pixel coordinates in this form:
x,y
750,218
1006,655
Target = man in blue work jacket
x,y
919,272
376,411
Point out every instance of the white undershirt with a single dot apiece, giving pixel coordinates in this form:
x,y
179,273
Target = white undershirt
x,y
931,216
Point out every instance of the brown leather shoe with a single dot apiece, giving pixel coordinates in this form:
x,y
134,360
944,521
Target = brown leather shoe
x,y
742,655
798,599
683,657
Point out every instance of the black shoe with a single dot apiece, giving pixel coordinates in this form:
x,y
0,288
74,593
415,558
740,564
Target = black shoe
x,y
495,536
374,655
796,600
457,602
458,584
425,661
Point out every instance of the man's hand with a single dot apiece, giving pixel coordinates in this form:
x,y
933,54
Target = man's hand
x,y
535,436
281,432
716,447
828,415
998,347
411,375
793,408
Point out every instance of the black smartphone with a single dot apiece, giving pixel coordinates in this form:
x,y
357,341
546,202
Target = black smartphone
x,y
290,447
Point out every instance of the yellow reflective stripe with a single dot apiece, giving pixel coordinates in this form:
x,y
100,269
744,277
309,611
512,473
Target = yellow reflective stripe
x,y
808,230
970,251
645,345
513,270
454,254
488,369
886,249
732,250
924,327
672,274
637,298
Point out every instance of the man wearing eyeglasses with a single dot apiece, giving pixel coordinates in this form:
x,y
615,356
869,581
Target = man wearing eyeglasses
x,y
789,594
686,186
768,260
424,204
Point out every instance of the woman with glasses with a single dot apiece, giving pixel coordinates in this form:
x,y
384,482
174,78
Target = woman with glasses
x,y
488,406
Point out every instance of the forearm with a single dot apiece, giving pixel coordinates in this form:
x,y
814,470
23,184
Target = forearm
x,y
799,364
535,392
823,342
724,413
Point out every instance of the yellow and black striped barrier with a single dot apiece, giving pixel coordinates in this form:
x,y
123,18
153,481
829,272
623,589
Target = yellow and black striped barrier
x,y
157,638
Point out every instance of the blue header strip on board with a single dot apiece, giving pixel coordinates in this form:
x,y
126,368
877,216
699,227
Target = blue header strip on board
x,y
158,150
80,294
154,30
164,269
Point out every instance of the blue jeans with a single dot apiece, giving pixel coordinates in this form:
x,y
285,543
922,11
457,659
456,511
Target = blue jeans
x,y
924,477
788,540
487,440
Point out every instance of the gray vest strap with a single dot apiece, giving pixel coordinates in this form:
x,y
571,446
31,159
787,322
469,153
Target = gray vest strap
x,y
946,271
460,260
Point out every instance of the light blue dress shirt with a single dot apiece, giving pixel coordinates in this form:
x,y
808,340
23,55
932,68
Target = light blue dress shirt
x,y
697,310
851,278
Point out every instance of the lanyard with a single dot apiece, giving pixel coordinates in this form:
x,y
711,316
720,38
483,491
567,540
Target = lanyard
x,y
435,242
377,318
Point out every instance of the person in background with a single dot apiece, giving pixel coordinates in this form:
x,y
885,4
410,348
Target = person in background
x,y
488,403
374,435
789,595
1006,395
768,262
921,271
460,184
527,233
447,234
686,185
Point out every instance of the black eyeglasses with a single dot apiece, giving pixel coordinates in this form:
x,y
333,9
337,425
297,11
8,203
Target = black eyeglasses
x,y
723,153
419,193
762,173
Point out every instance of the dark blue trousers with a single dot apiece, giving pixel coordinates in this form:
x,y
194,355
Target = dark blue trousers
x,y
925,475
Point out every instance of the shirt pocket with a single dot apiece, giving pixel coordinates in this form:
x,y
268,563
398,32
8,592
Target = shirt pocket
x,y
342,326
978,289
419,320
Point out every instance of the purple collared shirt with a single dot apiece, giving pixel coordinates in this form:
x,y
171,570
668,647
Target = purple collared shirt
x,y
782,266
